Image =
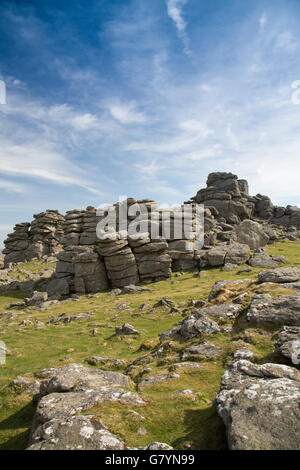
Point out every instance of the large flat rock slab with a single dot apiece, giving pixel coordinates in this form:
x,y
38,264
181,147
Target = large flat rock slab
x,y
280,275
260,406
283,310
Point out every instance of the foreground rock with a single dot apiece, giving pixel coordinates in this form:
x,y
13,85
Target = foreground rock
x,y
260,258
283,310
64,394
288,343
75,433
157,379
224,310
197,324
126,329
260,406
280,275
205,349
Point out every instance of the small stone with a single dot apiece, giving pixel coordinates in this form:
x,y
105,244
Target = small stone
x,y
141,431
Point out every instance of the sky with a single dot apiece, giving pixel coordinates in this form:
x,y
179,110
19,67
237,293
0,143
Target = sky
x,y
139,98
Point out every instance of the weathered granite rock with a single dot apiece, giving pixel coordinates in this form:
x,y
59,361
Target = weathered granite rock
x,y
243,353
237,254
264,207
35,240
205,349
36,299
58,287
231,253
222,287
259,405
131,289
159,446
169,333
74,433
197,324
148,381
126,329
280,275
283,310
252,234
288,343
76,377
227,310
65,394
260,258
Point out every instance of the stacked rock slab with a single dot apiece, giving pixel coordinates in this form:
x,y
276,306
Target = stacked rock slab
x,y
119,260
288,216
35,240
144,243
80,269
230,197
141,246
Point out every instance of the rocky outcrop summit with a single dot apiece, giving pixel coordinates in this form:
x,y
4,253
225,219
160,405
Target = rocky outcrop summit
x,y
89,263
230,197
231,224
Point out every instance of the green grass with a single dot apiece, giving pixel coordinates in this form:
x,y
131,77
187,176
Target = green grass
x,y
169,418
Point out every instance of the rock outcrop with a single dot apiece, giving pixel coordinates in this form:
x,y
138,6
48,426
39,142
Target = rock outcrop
x,y
230,197
280,275
35,240
94,259
282,310
66,392
135,241
288,343
259,405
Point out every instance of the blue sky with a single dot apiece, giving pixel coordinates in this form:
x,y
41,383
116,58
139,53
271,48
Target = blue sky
x,y
144,98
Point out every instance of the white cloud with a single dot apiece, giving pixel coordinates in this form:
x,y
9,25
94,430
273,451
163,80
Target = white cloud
x,y
12,187
175,8
85,121
40,161
232,138
126,113
175,13
263,21
286,42
206,152
196,128
65,115
205,87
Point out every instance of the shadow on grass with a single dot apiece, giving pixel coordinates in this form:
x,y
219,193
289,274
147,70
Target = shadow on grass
x,y
205,430
19,420
14,293
18,442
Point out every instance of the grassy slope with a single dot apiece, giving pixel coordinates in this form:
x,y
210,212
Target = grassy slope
x,y
169,417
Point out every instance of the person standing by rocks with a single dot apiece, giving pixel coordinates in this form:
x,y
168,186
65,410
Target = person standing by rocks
x,y
199,264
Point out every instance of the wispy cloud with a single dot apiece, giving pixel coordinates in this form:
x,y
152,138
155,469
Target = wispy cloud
x,y
286,42
126,113
12,187
175,12
263,21
38,161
